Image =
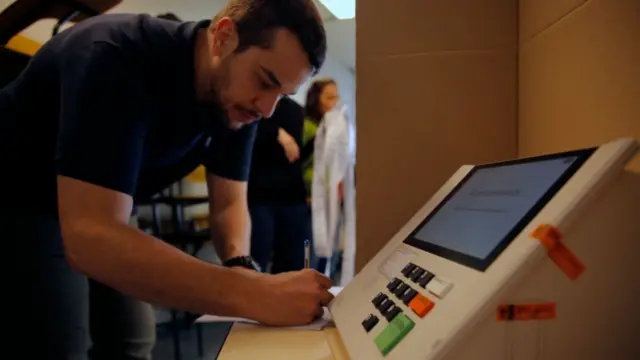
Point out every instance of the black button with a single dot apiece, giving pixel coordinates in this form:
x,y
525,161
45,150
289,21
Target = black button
x,y
385,305
392,312
370,322
401,289
393,284
425,278
378,299
417,272
408,296
408,269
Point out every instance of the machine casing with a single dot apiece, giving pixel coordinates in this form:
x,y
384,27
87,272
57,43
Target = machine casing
x,y
597,316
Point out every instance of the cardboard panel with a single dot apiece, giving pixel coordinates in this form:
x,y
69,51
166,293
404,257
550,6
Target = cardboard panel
x,y
538,15
580,80
419,26
419,118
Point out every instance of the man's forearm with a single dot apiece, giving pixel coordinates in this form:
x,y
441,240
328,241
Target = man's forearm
x,y
151,270
231,231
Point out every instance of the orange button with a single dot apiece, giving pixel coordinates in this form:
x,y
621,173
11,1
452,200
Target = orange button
x,y
421,305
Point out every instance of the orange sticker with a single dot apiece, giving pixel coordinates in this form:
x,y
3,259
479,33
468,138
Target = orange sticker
x,y
523,312
567,261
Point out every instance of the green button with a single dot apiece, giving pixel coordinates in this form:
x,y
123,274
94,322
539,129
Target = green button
x,y
397,329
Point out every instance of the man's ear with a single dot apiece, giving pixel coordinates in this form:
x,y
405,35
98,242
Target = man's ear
x,y
225,37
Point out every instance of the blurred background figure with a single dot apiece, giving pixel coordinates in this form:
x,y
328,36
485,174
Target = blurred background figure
x,y
277,196
322,98
333,194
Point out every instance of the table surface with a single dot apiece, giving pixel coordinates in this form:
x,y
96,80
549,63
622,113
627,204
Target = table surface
x,y
249,342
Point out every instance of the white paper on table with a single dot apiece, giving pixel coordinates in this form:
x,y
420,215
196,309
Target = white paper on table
x,y
316,325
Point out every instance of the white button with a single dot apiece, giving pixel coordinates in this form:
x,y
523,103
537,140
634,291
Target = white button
x,y
439,287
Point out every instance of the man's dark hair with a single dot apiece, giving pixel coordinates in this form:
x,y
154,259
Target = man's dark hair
x,y
256,21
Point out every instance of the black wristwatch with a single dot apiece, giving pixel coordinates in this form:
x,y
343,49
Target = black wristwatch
x,y
243,261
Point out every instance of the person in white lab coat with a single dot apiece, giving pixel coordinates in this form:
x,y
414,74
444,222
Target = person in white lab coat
x,y
330,134
333,190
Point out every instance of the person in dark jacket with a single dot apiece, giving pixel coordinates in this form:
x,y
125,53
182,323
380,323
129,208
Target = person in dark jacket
x,y
277,197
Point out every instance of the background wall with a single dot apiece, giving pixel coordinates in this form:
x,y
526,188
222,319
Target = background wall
x,y
436,84
579,74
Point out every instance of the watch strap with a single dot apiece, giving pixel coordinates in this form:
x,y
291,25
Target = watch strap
x,y
242,261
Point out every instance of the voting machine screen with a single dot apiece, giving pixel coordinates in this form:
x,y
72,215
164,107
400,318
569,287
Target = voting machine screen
x,y
525,259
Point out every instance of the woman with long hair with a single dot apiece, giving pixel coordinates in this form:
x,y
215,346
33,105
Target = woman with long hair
x,y
322,97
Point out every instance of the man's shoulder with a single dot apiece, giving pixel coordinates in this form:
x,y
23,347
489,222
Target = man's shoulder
x,y
132,46
137,34
287,111
288,103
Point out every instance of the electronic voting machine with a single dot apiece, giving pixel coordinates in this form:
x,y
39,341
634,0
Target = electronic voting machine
x,y
535,258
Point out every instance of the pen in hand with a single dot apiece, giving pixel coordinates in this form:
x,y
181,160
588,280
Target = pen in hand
x,y
307,254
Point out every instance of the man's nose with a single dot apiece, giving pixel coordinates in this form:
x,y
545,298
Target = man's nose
x,y
266,103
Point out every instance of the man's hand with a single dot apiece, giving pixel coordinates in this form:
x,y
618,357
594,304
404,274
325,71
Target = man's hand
x,y
292,298
291,148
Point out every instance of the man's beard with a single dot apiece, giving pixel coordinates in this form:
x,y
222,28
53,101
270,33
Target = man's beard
x,y
219,84
212,107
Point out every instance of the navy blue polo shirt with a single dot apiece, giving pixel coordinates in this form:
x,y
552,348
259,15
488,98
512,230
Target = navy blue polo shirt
x,y
111,101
